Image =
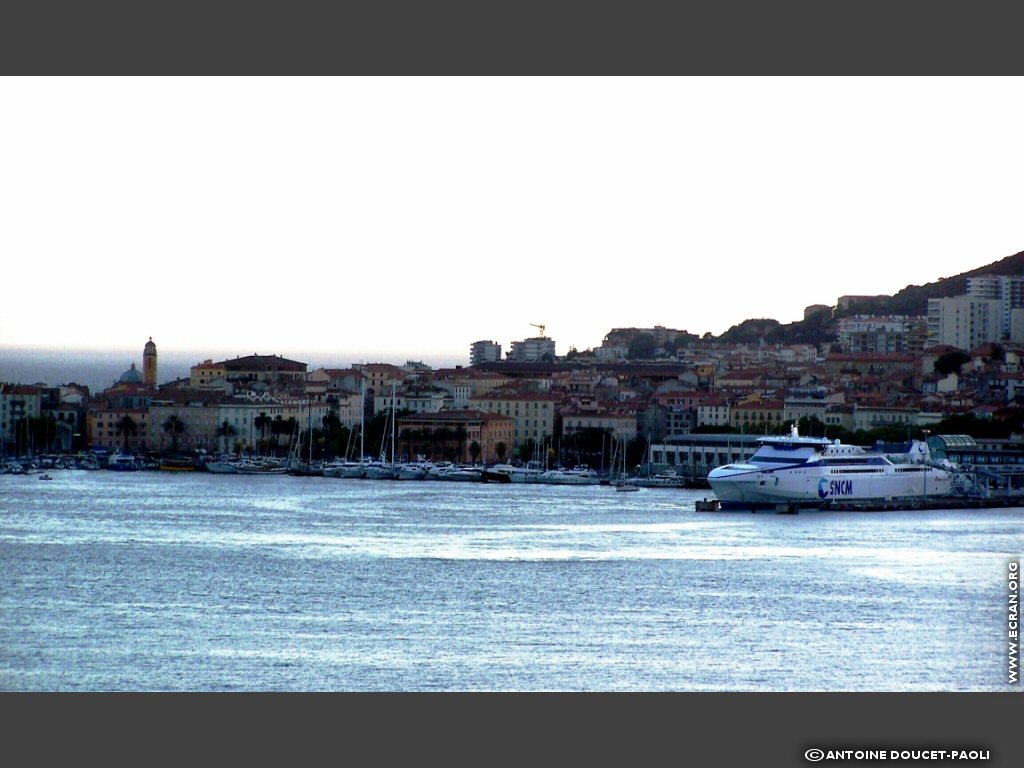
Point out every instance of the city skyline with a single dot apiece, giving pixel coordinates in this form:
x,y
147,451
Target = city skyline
x,y
379,219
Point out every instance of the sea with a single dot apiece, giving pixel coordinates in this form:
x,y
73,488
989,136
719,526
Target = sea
x,y
171,581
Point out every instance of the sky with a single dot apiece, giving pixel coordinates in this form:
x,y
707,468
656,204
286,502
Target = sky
x,y
404,218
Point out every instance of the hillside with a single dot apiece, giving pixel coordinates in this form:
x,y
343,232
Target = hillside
x,y
912,300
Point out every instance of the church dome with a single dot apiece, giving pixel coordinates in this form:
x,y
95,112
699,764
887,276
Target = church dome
x,y
131,376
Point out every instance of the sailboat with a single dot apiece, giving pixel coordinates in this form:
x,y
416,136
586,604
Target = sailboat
x,y
620,483
384,469
356,469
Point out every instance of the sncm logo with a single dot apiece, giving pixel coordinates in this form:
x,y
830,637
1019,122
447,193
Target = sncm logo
x,y
814,755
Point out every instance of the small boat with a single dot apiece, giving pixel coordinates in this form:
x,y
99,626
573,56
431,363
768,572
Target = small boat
x,y
222,467
46,476
120,462
177,465
668,479
463,474
507,473
414,470
351,469
577,476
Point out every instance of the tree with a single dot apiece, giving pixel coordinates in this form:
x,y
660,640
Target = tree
x,y
528,449
226,431
500,449
174,427
951,362
127,427
641,347
474,451
279,427
460,435
443,435
261,423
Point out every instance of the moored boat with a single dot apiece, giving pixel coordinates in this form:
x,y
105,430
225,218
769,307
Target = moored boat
x,y
795,470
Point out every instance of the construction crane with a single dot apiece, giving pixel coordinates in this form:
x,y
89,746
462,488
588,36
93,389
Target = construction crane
x,y
539,327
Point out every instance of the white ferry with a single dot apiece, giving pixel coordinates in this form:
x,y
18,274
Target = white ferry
x,y
813,470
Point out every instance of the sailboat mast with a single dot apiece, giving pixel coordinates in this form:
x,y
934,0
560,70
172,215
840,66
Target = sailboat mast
x,y
392,422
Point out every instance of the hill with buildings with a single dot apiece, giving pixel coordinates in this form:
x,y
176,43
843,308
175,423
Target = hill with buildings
x,y
820,327
913,300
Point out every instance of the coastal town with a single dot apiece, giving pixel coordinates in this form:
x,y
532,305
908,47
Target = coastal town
x,y
658,397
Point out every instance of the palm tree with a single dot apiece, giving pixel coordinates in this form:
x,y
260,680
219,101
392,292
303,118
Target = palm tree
x,y
474,451
126,426
443,434
277,428
460,440
261,423
500,449
226,431
407,435
173,426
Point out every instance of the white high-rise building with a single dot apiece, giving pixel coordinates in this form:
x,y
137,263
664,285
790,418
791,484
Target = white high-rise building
x,y
1008,290
533,350
964,321
484,352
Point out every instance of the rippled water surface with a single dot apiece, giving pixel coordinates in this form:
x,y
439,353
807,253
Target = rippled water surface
x,y
188,581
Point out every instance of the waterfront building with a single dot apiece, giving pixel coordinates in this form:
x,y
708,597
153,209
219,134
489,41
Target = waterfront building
x,y
534,413
245,415
964,322
484,352
17,403
448,435
347,406
198,410
105,430
694,456
620,424
306,409
414,399
68,422
535,349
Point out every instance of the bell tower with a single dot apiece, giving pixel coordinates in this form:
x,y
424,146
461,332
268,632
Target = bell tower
x,y
149,364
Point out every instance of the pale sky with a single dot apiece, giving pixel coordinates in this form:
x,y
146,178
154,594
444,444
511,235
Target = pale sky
x,y
395,218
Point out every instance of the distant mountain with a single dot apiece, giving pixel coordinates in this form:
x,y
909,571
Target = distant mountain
x,y
912,300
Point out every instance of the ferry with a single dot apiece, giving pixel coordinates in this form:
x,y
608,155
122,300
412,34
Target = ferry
x,y
805,471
